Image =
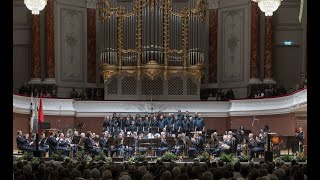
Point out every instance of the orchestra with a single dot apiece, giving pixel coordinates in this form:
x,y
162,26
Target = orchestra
x,y
181,134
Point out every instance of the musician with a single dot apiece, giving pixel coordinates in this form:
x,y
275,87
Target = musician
x,y
261,141
300,138
251,144
199,123
133,126
43,143
127,123
181,143
22,143
161,124
176,125
63,144
197,144
103,143
187,115
146,124
185,125
121,121
212,147
89,145
139,125
106,124
180,116
224,145
195,116
169,123
240,134
116,125
75,142
163,144
81,141
120,145
191,125
154,123
129,149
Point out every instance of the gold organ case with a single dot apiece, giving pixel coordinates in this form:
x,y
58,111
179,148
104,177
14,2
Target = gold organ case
x,y
151,47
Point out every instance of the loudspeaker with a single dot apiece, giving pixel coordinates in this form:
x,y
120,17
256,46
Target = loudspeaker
x,y
268,156
44,125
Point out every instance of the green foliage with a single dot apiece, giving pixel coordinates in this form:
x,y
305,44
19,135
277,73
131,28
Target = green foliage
x,y
301,157
284,158
244,158
227,157
140,157
57,156
205,156
168,157
102,157
27,156
35,160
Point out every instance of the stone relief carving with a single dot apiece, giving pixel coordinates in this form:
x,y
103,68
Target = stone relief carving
x,y
72,48
233,29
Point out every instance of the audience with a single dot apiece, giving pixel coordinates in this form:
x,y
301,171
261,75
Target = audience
x,y
73,170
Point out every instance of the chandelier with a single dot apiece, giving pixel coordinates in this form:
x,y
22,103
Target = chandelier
x,y
35,5
268,6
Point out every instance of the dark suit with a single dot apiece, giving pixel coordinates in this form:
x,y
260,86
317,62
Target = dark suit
x,y
103,143
88,146
23,144
300,138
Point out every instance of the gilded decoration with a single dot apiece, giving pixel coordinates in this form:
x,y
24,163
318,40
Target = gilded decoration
x,y
134,50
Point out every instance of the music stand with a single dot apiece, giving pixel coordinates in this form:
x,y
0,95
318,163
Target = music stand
x,y
154,143
189,144
128,141
170,141
181,144
143,143
77,139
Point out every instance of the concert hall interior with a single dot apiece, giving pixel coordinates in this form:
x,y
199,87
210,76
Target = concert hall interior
x,y
131,79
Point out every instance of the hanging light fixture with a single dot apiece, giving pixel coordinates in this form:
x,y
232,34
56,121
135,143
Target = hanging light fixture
x,y
268,6
35,5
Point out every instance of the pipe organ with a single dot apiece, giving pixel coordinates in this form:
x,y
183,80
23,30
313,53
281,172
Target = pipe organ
x,y
152,47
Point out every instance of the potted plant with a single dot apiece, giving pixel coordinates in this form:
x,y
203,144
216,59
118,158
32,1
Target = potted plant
x,y
102,157
137,158
244,158
301,157
168,157
205,156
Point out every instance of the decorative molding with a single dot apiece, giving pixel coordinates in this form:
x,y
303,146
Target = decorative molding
x,y
247,107
91,4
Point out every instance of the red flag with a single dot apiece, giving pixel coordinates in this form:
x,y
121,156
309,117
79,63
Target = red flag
x,y
40,115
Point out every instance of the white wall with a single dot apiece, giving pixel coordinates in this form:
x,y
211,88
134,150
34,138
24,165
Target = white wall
x,y
22,51
289,61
